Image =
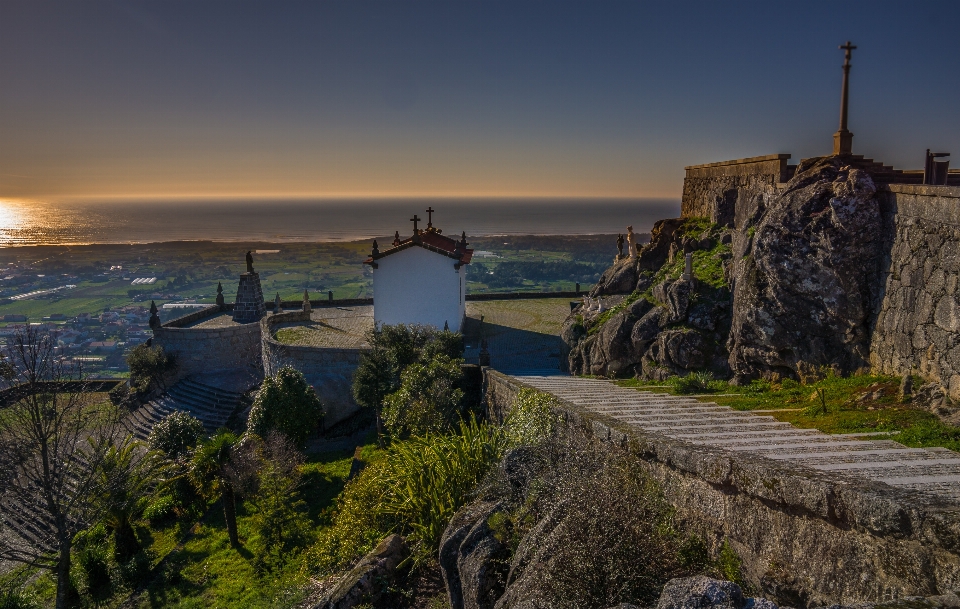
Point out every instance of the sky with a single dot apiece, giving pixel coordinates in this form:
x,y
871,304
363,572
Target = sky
x,y
164,99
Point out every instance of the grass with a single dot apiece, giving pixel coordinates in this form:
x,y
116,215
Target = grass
x,y
846,408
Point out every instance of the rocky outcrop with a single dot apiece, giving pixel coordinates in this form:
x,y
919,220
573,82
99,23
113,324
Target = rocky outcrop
x,y
809,290
701,592
796,283
369,580
472,559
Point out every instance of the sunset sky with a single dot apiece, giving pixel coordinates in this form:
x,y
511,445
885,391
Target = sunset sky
x,y
185,98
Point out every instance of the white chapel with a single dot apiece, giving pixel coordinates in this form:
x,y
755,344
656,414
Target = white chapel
x,y
421,280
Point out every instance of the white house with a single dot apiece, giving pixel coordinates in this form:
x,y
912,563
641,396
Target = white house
x,y
421,280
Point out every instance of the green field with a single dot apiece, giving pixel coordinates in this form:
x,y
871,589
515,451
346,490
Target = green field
x,y
192,270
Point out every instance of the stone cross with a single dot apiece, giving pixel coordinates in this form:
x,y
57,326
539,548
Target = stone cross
x,y
843,139
415,219
430,217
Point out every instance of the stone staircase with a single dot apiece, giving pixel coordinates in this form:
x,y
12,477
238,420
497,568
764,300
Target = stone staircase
x,y
934,471
211,405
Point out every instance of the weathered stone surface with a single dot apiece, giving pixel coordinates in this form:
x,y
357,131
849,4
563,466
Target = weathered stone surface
x,y
654,254
621,278
701,592
675,298
808,291
366,582
472,560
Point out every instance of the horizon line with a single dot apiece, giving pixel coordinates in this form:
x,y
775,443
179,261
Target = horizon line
x,y
137,197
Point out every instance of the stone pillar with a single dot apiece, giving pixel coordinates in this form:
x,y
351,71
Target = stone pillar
x,y
306,300
249,306
688,267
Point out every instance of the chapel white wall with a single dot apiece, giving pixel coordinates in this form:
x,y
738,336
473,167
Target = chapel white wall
x,y
418,286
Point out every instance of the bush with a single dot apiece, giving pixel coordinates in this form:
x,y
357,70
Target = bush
x,y
427,401
286,403
150,367
280,522
413,489
13,597
176,434
695,382
392,350
531,420
160,510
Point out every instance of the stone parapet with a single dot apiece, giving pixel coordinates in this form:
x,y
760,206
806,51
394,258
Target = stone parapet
x,y
806,538
329,371
729,192
203,350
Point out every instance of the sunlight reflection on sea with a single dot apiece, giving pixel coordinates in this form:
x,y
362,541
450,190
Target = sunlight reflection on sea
x,y
37,223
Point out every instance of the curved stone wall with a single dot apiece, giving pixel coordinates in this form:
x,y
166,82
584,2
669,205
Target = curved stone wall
x,y
328,370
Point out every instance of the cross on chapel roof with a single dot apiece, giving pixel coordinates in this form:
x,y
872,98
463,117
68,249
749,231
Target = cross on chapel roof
x,y
415,219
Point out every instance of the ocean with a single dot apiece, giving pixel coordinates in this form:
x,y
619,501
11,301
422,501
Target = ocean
x,y
39,223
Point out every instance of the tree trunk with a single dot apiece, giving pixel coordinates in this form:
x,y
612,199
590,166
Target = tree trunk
x,y
230,514
64,589
125,542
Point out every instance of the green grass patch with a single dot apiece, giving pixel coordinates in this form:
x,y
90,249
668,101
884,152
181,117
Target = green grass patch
x,y
854,404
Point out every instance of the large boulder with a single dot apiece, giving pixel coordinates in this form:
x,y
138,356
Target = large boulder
x,y
369,580
702,592
621,278
472,560
807,292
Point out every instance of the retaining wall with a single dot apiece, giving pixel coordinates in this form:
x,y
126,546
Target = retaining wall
x,y
329,371
806,538
919,316
729,192
201,350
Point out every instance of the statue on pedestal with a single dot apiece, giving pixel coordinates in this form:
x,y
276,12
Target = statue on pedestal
x,y
249,262
620,246
630,243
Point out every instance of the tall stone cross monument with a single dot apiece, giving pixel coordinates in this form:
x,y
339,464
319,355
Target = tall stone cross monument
x,y
843,139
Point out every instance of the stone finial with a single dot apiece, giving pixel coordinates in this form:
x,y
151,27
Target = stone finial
x,y
687,267
330,295
376,250
154,317
463,240
446,326
396,239
249,262
277,304
220,302
306,302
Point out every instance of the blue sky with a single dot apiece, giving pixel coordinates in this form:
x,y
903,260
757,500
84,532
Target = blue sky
x,y
233,98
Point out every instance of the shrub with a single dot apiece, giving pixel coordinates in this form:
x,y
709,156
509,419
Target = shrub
x,y
413,489
149,367
288,404
280,522
530,420
695,382
392,350
12,596
427,400
160,510
176,434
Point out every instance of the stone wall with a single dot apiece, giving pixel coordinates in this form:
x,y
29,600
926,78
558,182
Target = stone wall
x,y
203,350
329,371
806,538
730,192
919,316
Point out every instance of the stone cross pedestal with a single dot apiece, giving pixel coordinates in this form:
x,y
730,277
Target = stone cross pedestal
x,y
249,306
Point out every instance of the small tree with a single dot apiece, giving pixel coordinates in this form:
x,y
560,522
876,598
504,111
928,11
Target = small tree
x,y
53,444
149,367
286,403
212,472
176,434
428,400
392,350
129,474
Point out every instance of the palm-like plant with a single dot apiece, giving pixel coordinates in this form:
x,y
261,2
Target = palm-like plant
x,y
210,470
129,473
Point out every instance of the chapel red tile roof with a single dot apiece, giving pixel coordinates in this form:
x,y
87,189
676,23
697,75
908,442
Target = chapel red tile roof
x,y
432,241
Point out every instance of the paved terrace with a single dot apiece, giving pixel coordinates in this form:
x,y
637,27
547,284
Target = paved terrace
x,y
935,471
521,334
